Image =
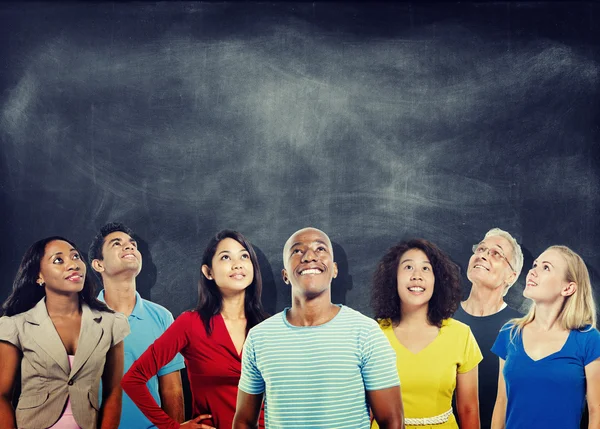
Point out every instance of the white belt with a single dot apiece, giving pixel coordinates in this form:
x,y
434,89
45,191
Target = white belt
x,y
422,421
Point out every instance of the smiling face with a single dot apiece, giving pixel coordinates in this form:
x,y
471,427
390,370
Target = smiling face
x,y
546,280
415,279
119,255
308,263
231,267
487,271
61,268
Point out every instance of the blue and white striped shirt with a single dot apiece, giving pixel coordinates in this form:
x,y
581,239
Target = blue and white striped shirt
x,y
316,376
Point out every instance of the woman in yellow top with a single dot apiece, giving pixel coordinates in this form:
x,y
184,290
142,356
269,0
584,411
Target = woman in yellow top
x,y
416,288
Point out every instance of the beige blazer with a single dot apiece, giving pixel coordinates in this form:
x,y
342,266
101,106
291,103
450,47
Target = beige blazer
x,y
47,380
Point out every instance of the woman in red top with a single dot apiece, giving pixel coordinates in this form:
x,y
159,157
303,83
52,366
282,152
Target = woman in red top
x,y
210,338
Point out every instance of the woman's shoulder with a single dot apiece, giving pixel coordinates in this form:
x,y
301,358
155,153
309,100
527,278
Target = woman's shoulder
x,y
587,333
385,324
110,319
190,321
387,327
9,323
454,325
190,317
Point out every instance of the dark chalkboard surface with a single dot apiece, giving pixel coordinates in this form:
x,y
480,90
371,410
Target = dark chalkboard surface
x,y
371,122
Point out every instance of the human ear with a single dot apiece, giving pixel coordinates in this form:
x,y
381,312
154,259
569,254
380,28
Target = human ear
x,y
206,272
569,289
511,278
97,265
285,277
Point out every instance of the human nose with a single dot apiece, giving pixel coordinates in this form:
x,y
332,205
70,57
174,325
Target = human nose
x,y
309,255
74,264
485,252
417,274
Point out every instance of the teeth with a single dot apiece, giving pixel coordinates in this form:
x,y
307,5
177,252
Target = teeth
x,y
416,289
480,266
311,271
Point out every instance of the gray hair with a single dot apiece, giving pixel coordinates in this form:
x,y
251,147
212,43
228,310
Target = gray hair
x,y
517,253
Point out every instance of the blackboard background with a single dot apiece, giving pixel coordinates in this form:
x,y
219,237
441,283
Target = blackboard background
x,y
373,122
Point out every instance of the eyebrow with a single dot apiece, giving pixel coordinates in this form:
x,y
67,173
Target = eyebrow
x,y
131,240
60,253
228,251
493,245
412,260
298,243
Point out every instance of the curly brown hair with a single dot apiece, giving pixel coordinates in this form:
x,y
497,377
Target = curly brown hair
x,y
446,292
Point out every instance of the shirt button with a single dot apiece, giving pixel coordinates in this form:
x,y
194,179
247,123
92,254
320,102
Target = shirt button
x,y
70,383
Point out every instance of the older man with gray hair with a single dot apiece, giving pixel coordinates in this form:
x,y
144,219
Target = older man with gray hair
x,y
493,268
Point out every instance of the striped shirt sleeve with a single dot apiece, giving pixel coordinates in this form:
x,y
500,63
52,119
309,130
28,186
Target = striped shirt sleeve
x,y
378,361
251,380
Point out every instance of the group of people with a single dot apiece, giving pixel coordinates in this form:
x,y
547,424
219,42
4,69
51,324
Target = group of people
x,y
427,361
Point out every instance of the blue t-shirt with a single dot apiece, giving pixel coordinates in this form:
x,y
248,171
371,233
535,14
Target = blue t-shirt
x,y
549,392
147,321
316,376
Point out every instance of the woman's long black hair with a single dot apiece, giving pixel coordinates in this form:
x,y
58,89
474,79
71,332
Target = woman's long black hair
x,y
210,300
26,292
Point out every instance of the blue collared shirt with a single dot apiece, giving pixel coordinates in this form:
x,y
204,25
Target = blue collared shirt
x,y
147,321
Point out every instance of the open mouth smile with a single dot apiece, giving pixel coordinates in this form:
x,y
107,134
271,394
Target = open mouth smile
x,y
311,271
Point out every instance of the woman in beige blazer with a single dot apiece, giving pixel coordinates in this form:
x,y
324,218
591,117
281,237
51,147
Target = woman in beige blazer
x,y
63,340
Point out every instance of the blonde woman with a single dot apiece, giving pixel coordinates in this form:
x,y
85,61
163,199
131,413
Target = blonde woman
x,y
550,358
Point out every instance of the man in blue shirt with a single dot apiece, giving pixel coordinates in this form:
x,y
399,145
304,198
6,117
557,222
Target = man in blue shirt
x,y
114,255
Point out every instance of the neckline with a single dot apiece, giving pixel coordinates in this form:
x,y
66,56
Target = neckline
x,y
289,325
231,343
502,308
439,334
547,356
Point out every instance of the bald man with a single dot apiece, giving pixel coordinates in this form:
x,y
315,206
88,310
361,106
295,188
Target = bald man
x,y
317,364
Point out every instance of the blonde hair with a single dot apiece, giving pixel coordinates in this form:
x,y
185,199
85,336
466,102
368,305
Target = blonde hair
x,y
517,253
579,310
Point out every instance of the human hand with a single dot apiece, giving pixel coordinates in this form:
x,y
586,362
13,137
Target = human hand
x,y
195,423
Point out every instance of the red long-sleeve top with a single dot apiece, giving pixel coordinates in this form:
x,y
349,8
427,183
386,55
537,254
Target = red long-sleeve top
x,y
213,366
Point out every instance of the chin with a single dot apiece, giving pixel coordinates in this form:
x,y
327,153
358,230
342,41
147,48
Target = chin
x,y
527,294
313,291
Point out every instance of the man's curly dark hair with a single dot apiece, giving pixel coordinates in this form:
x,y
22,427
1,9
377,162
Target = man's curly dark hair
x,y
446,291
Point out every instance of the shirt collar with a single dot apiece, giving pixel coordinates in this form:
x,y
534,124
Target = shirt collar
x,y
139,312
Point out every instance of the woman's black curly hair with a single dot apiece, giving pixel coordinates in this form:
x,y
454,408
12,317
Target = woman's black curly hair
x,y
446,292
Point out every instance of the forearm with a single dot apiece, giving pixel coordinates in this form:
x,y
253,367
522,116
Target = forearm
x,y
110,412
469,418
392,424
134,384
172,405
7,414
499,415
594,418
